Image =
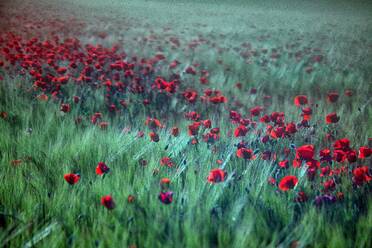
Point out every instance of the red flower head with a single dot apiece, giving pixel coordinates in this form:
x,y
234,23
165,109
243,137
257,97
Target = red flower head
x,y
325,155
348,93
190,70
325,171
65,107
76,99
300,100
71,178
108,202
306,113
103,125
166,161
342,144
339,155
332,118
332,96
240,131
290,128
329,185
235,116
244,153
175,131
207,123
95,117
165,181
301,197
255,111
364,152
102,168
305,152
153,123
352,156
194,128
216,176
288,182
284,164
361,175
166,197
190,96
154,137
131,198
218,99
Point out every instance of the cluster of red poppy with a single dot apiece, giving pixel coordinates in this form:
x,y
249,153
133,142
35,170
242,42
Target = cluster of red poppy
x,y
53,64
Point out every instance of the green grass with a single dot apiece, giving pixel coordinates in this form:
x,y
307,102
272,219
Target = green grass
x,y
38,206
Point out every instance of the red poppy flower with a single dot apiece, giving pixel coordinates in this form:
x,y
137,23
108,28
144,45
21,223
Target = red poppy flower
x,y
42,97
364,152
339,155
103,125
216,176
342,144
288,182
190,96
154,137
290,128
190,70
300,100
361,175
277,132
76,99
348,93
301,197
325,155
153,123
96,117
240,131
306,113
271,181
218,99
255,111
352,156
332,118
131,198
265,119
305,152
71,178
166,161
253,91
3,115
325,171
175,131
65,107
235,116
329,185
283,164
194,128
244,153
108,202
102,168
165,181
332,96
207,123
166,197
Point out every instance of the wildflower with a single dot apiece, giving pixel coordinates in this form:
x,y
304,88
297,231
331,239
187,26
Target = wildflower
x,y
108,202
216,176
288,182
72,178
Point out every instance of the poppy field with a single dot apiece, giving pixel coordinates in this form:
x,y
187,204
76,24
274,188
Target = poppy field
x,y
185,124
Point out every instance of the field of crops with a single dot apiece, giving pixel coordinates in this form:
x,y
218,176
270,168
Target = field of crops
x,y
159,123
